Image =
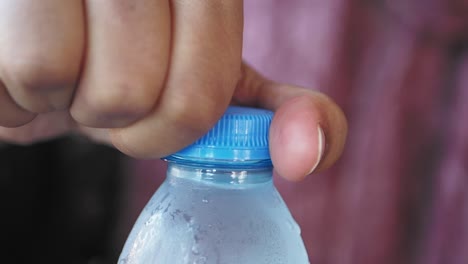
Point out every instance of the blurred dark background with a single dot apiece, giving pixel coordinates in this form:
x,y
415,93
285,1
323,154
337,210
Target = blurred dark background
x,y
61,202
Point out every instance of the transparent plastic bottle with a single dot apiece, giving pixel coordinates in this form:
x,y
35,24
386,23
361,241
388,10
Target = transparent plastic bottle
x,y
218,203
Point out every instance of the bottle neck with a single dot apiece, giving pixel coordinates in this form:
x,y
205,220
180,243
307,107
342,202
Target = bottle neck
x,y
229,176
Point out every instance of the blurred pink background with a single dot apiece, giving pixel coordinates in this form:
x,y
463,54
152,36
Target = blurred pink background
x,y
399,70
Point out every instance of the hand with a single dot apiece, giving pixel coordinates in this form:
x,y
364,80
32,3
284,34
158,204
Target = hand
x,y
155,75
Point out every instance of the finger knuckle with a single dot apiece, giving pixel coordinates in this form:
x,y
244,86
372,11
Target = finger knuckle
x,y
16,121
121,100
38,75
195,112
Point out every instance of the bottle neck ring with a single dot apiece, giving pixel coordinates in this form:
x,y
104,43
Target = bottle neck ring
x,y
227,175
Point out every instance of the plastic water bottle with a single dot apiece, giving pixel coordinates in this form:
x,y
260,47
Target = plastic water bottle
x,y
218,203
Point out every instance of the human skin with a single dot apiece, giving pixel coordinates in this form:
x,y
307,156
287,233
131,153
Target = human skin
x,y
149,77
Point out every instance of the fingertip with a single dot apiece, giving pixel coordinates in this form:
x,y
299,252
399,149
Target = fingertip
x,y
296,139
302,115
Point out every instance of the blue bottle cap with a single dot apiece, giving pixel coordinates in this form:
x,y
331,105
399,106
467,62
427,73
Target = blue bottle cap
x,y
241,135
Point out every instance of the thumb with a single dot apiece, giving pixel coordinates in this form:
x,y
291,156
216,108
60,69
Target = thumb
x,y
308,131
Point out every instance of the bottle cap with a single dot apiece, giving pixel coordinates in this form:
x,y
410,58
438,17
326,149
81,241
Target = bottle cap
x,y
241,135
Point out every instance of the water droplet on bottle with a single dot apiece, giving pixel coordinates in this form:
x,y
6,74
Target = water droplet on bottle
x,y
195,250
200,260
164,197
187,218
149,221
293,226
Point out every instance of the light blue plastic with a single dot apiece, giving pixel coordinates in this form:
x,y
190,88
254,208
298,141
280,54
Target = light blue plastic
x,y
240,135
213,210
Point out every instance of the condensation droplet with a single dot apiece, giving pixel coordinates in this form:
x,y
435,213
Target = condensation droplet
x,y
187,218
149,221
200,260
293,226
195,250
